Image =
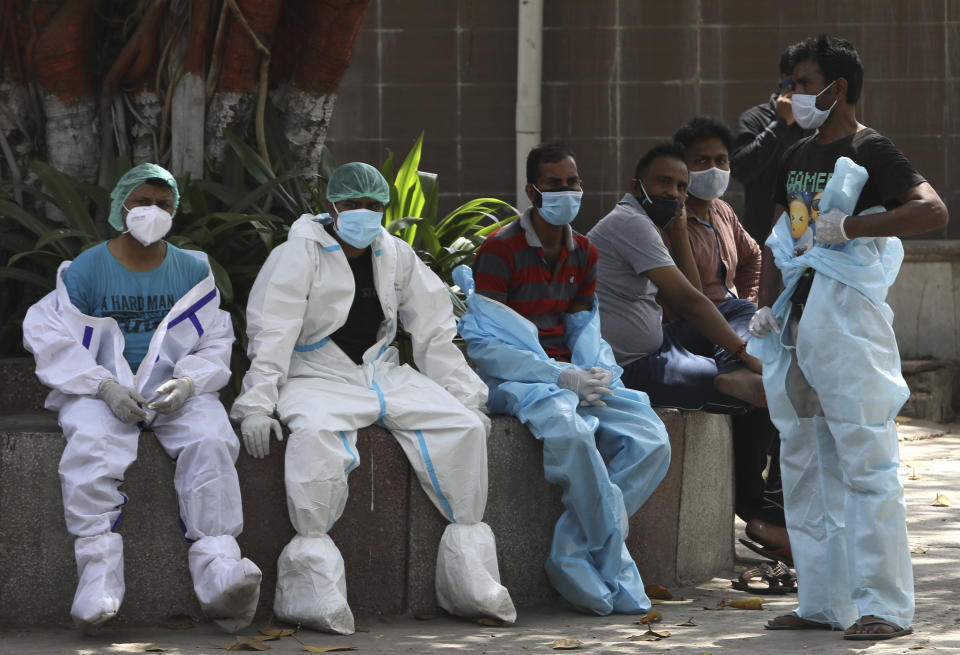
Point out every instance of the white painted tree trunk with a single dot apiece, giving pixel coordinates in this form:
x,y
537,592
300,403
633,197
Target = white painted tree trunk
x,y
16,145
186,119
227,110
72,136
145,127
306,116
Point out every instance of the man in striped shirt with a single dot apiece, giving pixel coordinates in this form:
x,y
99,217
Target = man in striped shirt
x,y
546,364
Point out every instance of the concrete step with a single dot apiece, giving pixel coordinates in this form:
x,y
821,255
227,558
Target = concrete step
x,y
388,534
934,389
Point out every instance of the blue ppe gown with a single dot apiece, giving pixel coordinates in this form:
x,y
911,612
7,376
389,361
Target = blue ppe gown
x,y
833,386
588,563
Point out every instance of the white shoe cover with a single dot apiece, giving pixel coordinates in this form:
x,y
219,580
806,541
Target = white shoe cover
x,y
227,586
100,569
468,578
312,587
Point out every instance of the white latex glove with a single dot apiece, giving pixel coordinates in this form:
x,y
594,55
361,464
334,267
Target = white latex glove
x,y
487,423
123,401
176,392
605,379
588,386
255,430
830,227
762,322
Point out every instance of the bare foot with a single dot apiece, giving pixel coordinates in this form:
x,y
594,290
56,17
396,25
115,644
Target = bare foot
x,y
875,627
767,534
743,384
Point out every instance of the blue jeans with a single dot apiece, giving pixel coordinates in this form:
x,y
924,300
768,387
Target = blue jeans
x,y
681,373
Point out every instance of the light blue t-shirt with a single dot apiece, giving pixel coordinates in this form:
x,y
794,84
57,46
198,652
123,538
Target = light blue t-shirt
x,y
101,286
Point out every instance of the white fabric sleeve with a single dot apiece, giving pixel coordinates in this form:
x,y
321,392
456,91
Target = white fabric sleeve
x,y
209,363
426,311
63,363
275,311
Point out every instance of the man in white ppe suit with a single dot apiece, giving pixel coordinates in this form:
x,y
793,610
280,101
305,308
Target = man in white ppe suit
x,y
320,319
831,368
132,338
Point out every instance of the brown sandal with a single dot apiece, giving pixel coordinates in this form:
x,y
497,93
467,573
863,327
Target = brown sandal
x,y
794,622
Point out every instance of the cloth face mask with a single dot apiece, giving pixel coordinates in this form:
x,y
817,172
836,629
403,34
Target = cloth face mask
x,y
358,227
661,210
559,207
805,110
148,224
708,184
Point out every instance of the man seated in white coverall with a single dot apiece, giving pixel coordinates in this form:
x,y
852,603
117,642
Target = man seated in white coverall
x,y
133,338
320,319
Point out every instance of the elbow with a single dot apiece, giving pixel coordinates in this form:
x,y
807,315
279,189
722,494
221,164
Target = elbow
x,y
940,217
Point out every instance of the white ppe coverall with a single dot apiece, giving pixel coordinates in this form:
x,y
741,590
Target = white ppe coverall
x,y
302,295
74,353
588,563
833,386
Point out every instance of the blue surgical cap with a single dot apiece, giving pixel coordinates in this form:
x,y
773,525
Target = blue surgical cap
x,y
357,180
130,181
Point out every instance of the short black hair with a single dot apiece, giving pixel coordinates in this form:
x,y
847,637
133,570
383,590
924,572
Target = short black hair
x,y
703,127
663,149
836,58
786,60
158,181
545,153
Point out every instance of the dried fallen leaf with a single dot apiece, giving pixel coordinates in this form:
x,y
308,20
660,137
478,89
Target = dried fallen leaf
x,y
658,591
718,606
495,623
941,501
653,617
245,643
277,632
919,550
178,622
359,628
752,603
155,649
902,419
656,601
688,622
326,649
650,635
566,644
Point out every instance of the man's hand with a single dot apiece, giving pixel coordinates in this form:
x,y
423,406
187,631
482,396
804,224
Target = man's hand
x,y
830,227
679,222
123,401
256,430
785,107
177,391
588,386
762,322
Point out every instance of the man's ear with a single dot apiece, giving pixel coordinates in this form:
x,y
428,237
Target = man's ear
x,y
330,207
841,86
635,187
531,194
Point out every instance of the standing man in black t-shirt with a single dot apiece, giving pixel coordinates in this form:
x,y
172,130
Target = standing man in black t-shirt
x,y
844,504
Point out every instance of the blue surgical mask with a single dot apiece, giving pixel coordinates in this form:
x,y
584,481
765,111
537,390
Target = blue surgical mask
x,y
358,227
559,207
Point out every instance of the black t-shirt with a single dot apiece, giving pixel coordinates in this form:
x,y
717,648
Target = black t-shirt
x,y
366,314
807,166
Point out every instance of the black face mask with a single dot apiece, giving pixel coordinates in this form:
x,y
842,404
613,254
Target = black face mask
x,y
660,209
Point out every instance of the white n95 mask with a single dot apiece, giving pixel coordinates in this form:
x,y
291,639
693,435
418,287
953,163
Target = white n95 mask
x,y
805,110
708,184
148,224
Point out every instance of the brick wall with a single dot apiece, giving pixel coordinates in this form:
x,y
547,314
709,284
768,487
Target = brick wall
x,y
620,75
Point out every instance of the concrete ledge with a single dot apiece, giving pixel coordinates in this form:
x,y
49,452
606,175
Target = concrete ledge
x,y
934,389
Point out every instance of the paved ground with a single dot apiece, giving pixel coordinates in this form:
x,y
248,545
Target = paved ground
x,y
931,466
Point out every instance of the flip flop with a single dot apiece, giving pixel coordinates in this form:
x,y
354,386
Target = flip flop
x,y
876,636
784,555
766,579
799,624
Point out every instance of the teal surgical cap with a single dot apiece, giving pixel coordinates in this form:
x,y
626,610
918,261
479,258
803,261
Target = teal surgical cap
x,y
357,180
130,181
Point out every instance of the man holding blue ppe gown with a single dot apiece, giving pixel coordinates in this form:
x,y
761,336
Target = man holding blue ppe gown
x,y
533,330
321,318
830,362
133,338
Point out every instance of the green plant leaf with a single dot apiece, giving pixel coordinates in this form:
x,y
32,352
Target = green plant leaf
x,y
51,257
63,233
21,275
66,196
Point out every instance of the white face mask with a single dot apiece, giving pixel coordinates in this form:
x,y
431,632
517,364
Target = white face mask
x,y
148,224
805,110
708,184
